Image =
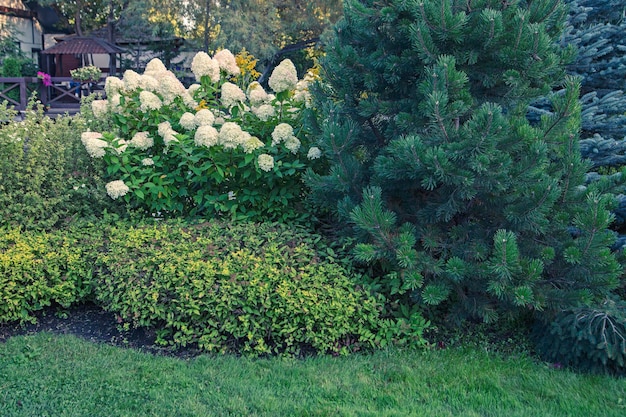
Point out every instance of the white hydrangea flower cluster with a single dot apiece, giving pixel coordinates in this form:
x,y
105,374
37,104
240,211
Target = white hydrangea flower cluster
x,y
202,64
264,112
227,62
302,93
155,66
266,162
259,100
257,94
206,136
204,117
231,135
283,133
132,80
115,102
170,88
293,144
188,121
193,88
149,101
232,95
157,79
251,144
147,162
314,153
149,83
166,131
284,77
99,108
141,140
113,86
93,143
116,189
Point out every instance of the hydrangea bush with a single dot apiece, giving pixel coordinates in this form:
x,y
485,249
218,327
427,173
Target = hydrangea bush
x,y
222,147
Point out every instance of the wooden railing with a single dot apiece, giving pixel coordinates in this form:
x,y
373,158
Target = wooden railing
x,y
64,93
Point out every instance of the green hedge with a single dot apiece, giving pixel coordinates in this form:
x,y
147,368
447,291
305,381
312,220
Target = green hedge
x,y
255,288
245,288
40,269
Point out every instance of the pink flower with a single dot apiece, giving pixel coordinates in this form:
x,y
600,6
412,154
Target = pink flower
x,y
45,78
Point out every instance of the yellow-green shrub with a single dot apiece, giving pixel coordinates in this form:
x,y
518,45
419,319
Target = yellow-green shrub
x,y
256,288
40,269
47,179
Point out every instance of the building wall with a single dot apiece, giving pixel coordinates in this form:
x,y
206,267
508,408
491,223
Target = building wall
x,y
28,30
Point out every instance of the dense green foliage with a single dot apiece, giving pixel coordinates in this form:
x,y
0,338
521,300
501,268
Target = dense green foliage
x,y
588,338
46,177
41,269
253,288
456,199
246,288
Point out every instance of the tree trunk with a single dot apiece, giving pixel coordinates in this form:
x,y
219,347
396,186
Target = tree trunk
x,y
111,25
77,19
206,25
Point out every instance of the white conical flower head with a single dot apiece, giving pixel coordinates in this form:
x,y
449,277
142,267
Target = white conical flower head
x,y
284,77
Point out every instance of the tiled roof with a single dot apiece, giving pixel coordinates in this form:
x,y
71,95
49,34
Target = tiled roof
x,y
82,45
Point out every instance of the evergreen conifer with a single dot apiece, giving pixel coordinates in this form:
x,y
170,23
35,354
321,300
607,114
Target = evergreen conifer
x,y
455,198
598,29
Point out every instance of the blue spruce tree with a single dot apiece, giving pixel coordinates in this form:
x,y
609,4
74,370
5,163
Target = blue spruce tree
x,y
598,29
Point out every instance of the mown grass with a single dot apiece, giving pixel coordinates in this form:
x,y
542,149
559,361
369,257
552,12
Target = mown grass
x,y
47,375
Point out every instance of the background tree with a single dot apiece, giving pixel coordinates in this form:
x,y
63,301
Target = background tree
x,y
151,25
598,29
84,15
268,29
455,198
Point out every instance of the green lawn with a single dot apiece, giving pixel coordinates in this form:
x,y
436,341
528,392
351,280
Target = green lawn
x,y
47,375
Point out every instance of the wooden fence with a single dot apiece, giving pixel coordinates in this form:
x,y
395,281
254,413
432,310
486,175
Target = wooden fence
x,y
64,94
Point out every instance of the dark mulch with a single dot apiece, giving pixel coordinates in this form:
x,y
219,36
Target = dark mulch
x,y
91,323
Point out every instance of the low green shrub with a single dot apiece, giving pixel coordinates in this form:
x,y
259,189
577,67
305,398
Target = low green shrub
x,y
39,269
252,288
46,177
587,338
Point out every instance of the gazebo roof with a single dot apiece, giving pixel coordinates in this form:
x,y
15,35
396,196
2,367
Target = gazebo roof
x,y
79,45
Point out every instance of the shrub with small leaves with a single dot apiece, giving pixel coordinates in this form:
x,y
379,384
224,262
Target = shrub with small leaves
x,y
587,338
39,269
252,288
46,177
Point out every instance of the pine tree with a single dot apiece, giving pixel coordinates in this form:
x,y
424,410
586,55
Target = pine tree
x,y
457,199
